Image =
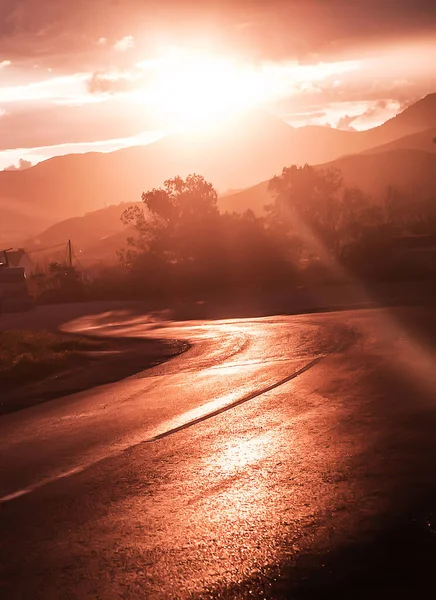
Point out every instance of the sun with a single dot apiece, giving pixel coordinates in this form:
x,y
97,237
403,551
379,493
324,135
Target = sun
x,y
194,91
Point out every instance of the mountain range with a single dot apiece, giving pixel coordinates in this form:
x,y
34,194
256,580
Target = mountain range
x,y
401,152
411,171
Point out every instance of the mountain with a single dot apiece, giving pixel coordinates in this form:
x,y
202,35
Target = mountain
x,y
254,198
254,147
423,140
412,171
18,221
71,185
96,225
99,235
419,116
96,237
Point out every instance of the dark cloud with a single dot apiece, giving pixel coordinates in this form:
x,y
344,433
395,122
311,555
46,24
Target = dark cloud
x,y
65,32
63,35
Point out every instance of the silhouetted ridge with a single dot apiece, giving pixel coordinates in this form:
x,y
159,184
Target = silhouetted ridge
x,y
233,155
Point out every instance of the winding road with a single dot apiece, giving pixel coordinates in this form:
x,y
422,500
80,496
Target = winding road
x,y
268,445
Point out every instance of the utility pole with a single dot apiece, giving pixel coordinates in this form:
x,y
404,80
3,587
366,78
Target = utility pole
x,y
70,255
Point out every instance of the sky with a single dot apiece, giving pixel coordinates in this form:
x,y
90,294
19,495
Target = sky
x,y
104,74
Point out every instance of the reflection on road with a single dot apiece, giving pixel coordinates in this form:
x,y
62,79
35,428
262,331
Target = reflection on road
x,y
230,362
268,438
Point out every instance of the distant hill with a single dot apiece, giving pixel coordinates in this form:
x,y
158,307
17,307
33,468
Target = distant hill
x,y
423,140
18,221
96,236
253,198
95,225
419,116
236,156
99,235
412,171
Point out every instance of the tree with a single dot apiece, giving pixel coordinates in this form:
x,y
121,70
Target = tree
x,y
314,205
176,219
183,199
184,244
306,199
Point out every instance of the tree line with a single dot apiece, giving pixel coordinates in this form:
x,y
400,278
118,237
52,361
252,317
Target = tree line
x,y
314,228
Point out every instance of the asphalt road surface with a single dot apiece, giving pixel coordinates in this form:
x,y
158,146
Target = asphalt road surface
x,y
279,457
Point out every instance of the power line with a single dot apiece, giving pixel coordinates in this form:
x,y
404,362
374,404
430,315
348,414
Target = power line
x,y
48,248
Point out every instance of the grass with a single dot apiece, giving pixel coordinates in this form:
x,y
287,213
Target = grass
x,y
27,356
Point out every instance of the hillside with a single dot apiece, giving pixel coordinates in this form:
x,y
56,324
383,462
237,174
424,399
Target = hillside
x,y
419,116
424,141
412,171
254,198
236,157
18,221
96,236
252,149
99,235
96,225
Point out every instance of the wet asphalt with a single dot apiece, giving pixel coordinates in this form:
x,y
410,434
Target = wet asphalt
x,y
279,457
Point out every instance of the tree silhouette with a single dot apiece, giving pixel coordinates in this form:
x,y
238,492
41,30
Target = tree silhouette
x,y
176,219
182,240
313,204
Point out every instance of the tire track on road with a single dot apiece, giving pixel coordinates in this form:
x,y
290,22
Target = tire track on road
x,y
227,407
74,471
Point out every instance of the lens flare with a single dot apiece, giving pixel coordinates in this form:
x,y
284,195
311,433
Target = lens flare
x,y
195,90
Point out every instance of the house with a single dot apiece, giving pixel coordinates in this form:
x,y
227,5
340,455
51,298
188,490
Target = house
x,y
14,296
17,258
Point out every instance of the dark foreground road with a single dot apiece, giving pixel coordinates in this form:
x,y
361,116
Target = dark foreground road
x,y
279,457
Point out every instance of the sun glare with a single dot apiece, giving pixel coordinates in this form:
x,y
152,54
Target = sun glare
x,y
195,91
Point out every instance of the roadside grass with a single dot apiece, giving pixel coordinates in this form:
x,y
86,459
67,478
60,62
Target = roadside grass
x,y
27,356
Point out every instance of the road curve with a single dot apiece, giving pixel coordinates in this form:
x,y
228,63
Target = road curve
x,y
270,438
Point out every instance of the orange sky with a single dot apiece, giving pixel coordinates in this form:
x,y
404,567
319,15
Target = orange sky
x,y
95,74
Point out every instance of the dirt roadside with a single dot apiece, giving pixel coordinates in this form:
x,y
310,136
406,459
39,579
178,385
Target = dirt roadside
x,y
120,359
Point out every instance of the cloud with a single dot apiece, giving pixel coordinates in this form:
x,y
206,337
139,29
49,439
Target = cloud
x,y
38,154
369,115
62,31
345,123
22,165
125,43
53,89
377,113
109,83
28,125
83,44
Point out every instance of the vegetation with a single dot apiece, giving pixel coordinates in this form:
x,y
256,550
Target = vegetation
x,y
27,356
313,223
184,244
314,205
57,283
314,229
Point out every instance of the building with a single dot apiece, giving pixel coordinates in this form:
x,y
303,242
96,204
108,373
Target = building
x,y
14,296
17,258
